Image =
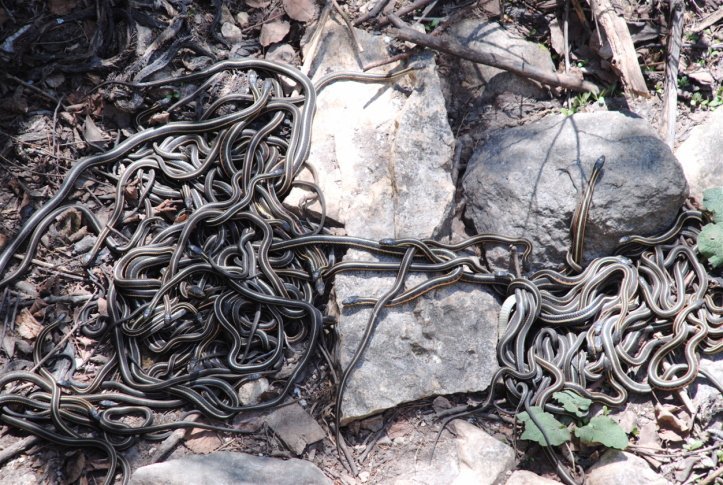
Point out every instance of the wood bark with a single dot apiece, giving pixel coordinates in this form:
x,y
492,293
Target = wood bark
x,y
625,60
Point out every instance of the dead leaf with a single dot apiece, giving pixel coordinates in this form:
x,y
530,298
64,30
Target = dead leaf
x,y
301,10
92,133
3,240
202,441
74,467
399,428
61,7
26,325
55,80
704,78
673,418
159,118
258,3
102,307
274,32
9,346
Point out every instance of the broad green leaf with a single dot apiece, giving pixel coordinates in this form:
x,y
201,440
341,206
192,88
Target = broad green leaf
x,y
603,430
713,202
710,243
555,431
572,402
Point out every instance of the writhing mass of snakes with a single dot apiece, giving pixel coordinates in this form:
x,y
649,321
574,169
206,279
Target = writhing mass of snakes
x,y
215,282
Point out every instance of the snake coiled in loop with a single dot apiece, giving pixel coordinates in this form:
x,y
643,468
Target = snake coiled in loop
x,y
205,280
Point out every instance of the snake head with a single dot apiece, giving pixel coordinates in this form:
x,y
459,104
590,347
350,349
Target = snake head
x,y
195,250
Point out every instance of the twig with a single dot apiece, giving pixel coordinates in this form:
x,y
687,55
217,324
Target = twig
x,y
384,21
355,41
389,60
450,46
371,13
707,22
17,448
33,88
54,148
170,443
315,38
52,268
671,72
711,478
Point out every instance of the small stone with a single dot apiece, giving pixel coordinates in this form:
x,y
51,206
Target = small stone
x,y
524,477
231,33
281,53
373,423
250,392
441,403
242,18
620,468
295,427
482,458
364,476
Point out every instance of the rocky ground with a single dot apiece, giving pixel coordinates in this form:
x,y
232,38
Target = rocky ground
x,y
451,150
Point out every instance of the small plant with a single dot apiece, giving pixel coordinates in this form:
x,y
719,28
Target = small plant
x,y
683,82
586,98
597,430
698,101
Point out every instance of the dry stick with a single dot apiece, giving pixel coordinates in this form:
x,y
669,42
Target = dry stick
x,y
708,21
355,42
384,21
315,38
450,46
170,443
625,60
17,448
371,13
671,72
399,57
711,478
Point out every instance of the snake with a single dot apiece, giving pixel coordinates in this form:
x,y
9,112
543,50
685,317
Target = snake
x,y
207,281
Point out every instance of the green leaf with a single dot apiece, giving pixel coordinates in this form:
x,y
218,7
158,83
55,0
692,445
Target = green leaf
x,y
710,243
603,430
713,202
693,445
572,402
555,431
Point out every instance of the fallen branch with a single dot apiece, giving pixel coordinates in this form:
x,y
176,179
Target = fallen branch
x,y
625,60
18,447
708,21
670,103
450,46
384,21
170,443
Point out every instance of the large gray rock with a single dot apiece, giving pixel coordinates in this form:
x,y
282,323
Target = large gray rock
x,y
620,468
383,157
382,151
471,457
442,343
701,154
524,182
226,468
